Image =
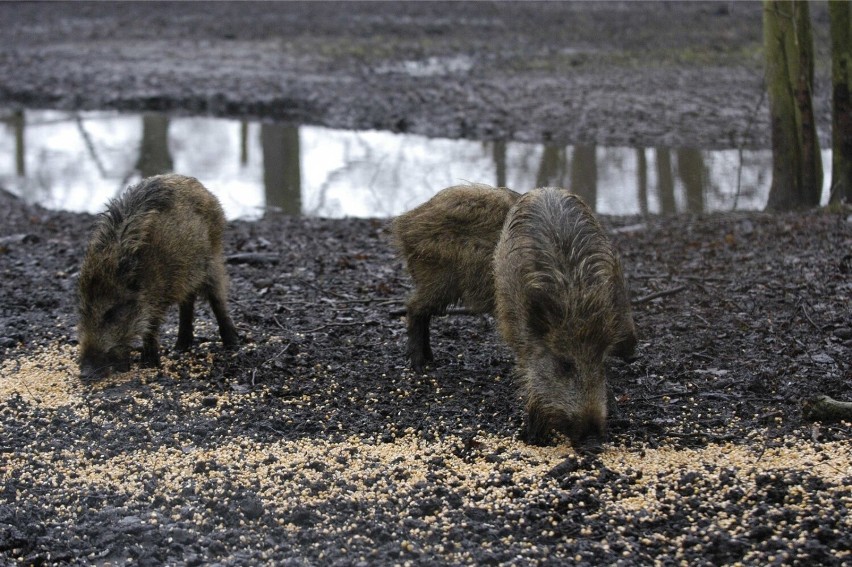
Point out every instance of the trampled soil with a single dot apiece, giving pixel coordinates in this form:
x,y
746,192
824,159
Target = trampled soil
x,y
315,443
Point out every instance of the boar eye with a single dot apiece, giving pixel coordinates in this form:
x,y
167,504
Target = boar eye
x,y
566,365
118,312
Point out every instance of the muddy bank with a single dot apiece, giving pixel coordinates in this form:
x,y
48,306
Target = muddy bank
x,y
614,74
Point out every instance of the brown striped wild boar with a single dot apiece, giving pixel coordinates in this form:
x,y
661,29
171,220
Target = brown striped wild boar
x,y
156,245
562,306
448,247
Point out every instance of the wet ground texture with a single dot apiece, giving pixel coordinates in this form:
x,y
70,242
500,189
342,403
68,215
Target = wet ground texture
x,y
314,443
607,73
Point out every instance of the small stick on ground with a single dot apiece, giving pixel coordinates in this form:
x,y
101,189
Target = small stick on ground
x,y
347,324
253,258
460,311
658,294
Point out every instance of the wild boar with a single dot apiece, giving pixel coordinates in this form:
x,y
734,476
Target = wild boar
x,y
448,247
562,306
157,244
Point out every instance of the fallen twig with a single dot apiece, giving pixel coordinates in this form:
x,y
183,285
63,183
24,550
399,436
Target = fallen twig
x,y
347,324
456,311
824,408
808,317
658,294
254,258
711,436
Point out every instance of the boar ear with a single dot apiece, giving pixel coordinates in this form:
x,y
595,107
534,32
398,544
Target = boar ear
x,y
540,312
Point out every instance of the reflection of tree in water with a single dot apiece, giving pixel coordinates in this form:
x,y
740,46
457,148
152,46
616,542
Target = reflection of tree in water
x,y
498,152
665,181
692,172
282,173
382,172
154,155
584,174
16,121
552,171
357,153
244,128
642,180
394,167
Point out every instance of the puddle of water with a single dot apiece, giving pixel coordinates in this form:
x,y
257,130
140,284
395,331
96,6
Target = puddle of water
x,y
78,160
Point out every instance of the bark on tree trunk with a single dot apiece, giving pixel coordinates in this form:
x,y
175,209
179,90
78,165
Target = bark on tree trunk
x,y
841,111
796,163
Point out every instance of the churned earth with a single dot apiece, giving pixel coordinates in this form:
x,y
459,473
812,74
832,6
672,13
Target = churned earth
x,y
314,443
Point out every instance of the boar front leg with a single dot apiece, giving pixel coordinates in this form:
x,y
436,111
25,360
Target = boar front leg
x,y
419,351
150,350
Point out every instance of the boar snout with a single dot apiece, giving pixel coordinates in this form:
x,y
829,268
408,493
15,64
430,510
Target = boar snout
x,y
587,433
97,366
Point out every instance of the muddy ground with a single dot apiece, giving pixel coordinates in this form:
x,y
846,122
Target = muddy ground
x,y
315,443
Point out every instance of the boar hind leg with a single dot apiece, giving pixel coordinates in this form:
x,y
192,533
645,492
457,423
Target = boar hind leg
x,y
187,312
419,313
218,296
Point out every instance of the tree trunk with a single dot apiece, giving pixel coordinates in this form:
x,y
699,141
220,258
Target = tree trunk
x,y
841,111
796,162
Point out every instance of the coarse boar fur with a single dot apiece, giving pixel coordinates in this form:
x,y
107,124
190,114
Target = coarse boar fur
x,y
562,306
157,244
448,247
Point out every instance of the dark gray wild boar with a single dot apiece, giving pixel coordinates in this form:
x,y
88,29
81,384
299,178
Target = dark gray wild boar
x,y
562,306
158,244
448,247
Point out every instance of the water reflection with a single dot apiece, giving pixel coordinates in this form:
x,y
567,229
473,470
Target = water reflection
x,y
78,160
282,172
154,154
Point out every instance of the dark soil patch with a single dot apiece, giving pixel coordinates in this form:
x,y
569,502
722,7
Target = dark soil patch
x,y
762,321
314,443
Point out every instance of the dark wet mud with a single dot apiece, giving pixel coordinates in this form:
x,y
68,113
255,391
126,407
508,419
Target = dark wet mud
x,y
314,443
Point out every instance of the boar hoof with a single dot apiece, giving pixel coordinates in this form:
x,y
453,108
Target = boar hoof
x,y
589,446
150,358
230,339
418,363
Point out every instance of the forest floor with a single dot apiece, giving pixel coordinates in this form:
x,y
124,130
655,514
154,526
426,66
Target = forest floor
x,y
314,443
